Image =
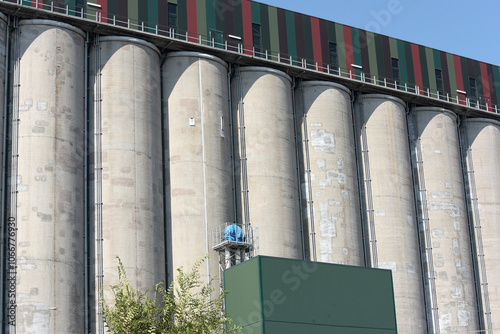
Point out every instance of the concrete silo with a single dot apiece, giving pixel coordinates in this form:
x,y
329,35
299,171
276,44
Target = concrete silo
x,y
127,164
48,141
435,142
482,148
389,208
267,186
328,165
199,170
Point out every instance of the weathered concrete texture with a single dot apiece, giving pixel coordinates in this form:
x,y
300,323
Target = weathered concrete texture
x,y
266,98
324,109
381,120
50,182
441,170
198,149
131,185
483,136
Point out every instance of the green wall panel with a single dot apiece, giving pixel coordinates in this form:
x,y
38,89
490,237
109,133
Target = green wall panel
x,y
293,296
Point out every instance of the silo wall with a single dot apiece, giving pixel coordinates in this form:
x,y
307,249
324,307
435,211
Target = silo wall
x,y
49,139
482,147
198,150
434,134
330,191
267,186
126,152
388,202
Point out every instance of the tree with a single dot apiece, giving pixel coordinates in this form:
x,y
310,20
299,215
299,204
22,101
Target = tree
x,y
186,307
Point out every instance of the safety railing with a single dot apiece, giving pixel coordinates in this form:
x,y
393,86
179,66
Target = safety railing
x,y
229,44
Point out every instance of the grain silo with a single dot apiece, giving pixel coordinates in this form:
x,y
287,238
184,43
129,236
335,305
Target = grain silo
x,y
198,146
48,203
388,202
127,153
267,186
435,139
328,165
482,154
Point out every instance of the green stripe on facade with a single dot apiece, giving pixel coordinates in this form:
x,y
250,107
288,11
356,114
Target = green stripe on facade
x,y
255,12
356,47
264,28
496,80
210,15
479,80
133,12
238,19
182,16
379,51
429,55
290,29
152,12
274,30
403,68
437,58
339,30
410,71
372,53
452,73
393,44
201,17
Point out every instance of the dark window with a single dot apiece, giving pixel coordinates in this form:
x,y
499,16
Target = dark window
x,y
473,92
334,60
395,71
257,42
439,83
172,15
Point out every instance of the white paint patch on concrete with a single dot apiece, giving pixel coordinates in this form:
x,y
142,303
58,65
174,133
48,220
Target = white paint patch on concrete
x,y
409,220
388,265
327,228
437,152
325,246
335,175
438,233
28,266
326,258
447,185
441,195
345,194
458,293
340,163
456,226
322,141
456,248
380,213
445,320
333,202
42,106
345,251
321,164
463,318
316,124
455,210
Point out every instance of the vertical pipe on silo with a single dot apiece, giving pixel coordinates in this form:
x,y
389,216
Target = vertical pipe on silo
x,y
127,151
49,179
434,138
482,155
198,144
329,165
388,201
262,98
4,71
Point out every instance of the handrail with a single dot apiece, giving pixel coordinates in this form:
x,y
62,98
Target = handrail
x,y
481,102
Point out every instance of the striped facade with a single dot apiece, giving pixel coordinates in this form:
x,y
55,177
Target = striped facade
x,y
297,36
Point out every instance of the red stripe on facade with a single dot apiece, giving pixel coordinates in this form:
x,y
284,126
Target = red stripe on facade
x,y
417,68
459,79
37,3
192,23
316,39
486,84
349,53
103,11
247,26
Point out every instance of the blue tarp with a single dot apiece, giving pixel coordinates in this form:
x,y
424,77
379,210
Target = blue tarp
x,y
234,233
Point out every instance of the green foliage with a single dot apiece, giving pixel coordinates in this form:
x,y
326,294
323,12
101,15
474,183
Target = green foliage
x,y
186,307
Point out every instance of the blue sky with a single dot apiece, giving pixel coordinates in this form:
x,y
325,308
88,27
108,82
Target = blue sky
x,y
464,27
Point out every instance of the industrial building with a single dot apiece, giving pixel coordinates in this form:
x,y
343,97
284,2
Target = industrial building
x,y
143,128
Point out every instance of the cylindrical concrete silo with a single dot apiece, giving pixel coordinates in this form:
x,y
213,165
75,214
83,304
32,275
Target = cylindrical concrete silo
x,y
328,165
483,174
434,136
389,205
49,139
128,171
198,150
267,186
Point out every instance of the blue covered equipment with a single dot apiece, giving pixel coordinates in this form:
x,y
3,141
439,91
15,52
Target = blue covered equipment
x,y
234,233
